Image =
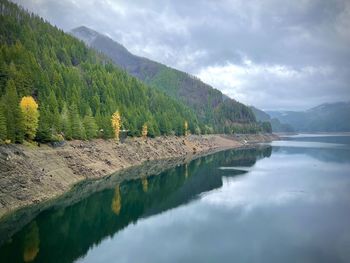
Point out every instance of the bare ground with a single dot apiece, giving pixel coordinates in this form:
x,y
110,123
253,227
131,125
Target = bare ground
x,y
31,174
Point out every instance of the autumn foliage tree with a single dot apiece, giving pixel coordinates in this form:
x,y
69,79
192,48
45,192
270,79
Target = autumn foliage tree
x,y
116,124
144,131
30,115
186,128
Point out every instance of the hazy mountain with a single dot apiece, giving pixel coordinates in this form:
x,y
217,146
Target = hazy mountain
x,y
210,105
329,117
277,126
137,66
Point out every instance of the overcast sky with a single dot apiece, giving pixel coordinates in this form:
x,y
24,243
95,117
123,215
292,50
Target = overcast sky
x,y
272,54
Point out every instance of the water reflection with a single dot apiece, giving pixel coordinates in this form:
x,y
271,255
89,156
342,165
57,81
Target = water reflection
x,y
31,243
322,147
289,208
116,201
144,184
67,233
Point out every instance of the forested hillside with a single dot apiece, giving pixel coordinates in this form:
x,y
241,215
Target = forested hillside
x,y
76,89
218,112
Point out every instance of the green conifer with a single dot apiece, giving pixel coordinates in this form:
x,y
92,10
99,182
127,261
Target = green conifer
x,y
78,131
90,125
3,130
66,123
13,115
44,133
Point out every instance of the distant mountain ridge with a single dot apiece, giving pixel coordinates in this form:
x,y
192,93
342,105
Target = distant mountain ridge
x,y
328,117
276,125
213,108
133,64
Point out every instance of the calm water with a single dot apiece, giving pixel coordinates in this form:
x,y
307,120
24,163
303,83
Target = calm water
x,y
284,202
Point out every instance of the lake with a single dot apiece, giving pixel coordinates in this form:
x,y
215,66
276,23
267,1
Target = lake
x,y
288,201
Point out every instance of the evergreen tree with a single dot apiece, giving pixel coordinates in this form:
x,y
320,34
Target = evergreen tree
x,y
14,120
90,125
3,130
44,133
66,123
55,120
78,131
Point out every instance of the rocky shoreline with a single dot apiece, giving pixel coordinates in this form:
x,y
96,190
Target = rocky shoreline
x,y
31,175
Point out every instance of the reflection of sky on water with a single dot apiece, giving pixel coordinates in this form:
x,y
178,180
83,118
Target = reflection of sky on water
x,y
282,179
318,135
308,144
291,207
326,148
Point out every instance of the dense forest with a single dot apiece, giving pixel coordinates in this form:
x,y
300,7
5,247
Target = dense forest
x,y
76,89
218,113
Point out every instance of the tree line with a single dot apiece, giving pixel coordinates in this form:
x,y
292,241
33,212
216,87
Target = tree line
x,y
75,88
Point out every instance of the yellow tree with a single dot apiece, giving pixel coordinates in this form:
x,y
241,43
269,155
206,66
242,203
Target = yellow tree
x,y
116,201
30,114
186,128
144,131
144,184
116,124
31,243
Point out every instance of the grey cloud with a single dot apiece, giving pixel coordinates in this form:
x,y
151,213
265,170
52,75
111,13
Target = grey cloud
x,y
196,35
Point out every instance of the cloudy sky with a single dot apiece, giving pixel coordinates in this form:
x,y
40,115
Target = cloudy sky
x,y
273,54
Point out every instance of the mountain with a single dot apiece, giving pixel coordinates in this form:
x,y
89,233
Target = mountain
x,y
276,125
77,89
328,117
260,115
215,110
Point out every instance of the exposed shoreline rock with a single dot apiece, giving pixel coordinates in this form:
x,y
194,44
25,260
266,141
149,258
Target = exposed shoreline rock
x,y
32,175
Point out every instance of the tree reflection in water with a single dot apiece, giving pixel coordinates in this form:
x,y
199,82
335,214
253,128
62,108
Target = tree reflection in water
x,y
67,233
31,243
116,201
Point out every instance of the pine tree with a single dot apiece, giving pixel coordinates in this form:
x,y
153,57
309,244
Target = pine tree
x,y
14,121
44,133
55,120
78,131
66,123
30,115
90,125
3,130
